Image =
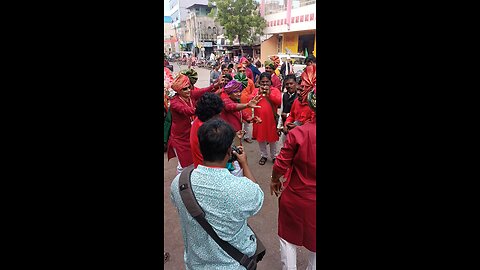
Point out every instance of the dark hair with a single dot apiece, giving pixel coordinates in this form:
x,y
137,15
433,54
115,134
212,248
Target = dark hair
x,y
258,64
290,77
230,66
208,105
310,58
215,137
224,66
266,74
229,76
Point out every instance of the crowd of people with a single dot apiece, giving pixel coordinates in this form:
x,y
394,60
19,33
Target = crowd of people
x,y
205,128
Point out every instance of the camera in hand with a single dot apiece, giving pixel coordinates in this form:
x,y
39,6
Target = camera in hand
x,y
233,156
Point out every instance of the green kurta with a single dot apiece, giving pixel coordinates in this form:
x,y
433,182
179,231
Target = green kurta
x,y
166,126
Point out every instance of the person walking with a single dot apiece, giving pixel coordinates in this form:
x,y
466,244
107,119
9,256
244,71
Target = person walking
x,y
297,202
227,200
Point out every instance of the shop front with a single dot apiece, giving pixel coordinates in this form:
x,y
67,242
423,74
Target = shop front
x,y
301,42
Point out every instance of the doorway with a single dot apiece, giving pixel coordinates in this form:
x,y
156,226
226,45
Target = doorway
x,y
306,42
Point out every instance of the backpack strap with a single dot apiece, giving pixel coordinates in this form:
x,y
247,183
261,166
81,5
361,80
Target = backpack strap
x,y
198,214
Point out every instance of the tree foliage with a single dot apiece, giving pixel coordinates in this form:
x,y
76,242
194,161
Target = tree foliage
x,y
238,18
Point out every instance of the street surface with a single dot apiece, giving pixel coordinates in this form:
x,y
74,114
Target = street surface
x,y
264,223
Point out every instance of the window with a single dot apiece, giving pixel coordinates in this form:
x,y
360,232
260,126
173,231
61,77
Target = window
x,y
307,2
279,44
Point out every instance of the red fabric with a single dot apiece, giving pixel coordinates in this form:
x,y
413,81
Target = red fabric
x,y
309,80
249,73
297,215
181,125
247,95
223,95
165,100
180,82
194,144
167,75
276,82
231,115
266,131
300,111
198,92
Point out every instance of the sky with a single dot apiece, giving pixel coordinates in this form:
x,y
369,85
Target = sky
x,y
165,9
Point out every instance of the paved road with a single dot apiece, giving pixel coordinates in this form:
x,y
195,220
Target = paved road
x,y
264,223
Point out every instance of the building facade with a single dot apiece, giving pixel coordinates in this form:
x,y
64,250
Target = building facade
x,y
170,40
201,30
291,27
179,15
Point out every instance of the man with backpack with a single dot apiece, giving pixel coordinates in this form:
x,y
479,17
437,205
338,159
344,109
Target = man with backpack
x,y
227,201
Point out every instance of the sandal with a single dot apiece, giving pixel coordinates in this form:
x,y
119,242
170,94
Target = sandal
x,y
262,161
248,140
166,257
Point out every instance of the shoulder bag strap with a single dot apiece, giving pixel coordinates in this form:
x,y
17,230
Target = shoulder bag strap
x,y
197,213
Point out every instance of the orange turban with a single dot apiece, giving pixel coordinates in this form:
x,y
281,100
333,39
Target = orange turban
x,y
309,79
180,82
276,61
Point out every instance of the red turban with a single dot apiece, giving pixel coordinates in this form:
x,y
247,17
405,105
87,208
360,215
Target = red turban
x,y
180,82
309,79
243,59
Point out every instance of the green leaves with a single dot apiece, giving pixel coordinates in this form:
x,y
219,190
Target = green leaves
x,y
238,17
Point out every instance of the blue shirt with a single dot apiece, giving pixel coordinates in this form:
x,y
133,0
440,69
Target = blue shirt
x,y
255,71
228,201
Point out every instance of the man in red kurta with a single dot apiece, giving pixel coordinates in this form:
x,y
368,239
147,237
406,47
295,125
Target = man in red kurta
x,y
182,107
300,113
266,131
208,106
234,112
297,202
248,87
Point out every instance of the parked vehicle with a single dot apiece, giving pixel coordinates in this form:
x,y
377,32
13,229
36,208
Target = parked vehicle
x,y
298,61
202,62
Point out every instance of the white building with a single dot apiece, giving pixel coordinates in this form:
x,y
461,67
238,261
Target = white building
x,y
291,27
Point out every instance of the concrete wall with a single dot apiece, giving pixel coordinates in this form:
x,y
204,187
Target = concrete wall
x,y
302,18
268,47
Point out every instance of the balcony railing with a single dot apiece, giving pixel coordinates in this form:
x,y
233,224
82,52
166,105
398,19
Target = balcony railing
x,y
276,6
